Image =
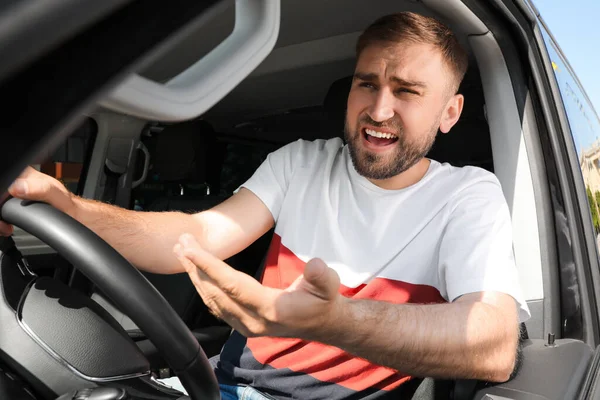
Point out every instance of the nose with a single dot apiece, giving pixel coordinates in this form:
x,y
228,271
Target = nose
x,y
383,107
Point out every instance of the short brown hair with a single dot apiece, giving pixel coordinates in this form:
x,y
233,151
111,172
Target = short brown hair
x,y
415,28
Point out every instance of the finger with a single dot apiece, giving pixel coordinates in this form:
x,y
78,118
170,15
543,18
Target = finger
x,y
31,189
226,277
19,186
29,172
187,264
193,272
194,257
220,304
240,287
207,288
318,279
34,185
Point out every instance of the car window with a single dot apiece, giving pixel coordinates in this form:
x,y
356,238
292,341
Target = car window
x,y
69,162
585,127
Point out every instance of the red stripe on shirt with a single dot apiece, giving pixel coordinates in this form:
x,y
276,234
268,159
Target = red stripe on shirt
x,y
328,363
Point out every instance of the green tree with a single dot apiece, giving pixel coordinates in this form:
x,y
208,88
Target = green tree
x,y
594,208
597,196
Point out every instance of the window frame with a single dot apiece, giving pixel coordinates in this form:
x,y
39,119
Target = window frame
x,y
577,225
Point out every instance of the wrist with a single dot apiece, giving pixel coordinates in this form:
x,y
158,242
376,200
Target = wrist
x,y
71,205
350,325
332,328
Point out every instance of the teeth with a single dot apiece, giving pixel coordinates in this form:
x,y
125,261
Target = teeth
x,y
381,135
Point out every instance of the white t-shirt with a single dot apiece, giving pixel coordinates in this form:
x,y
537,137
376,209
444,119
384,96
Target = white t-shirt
x,y
447,235
451,230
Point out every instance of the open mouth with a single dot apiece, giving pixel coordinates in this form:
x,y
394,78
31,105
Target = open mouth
x,y
379,139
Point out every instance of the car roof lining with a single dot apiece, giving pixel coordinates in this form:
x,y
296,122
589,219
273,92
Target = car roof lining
x,y
328,45
334,18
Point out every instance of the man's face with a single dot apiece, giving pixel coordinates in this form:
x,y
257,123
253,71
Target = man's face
x,y
400,96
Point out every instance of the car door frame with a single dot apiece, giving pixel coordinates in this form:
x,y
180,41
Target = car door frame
x,y
526,55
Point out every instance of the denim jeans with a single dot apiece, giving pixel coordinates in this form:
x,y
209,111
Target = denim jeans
x,y
241,393
228,392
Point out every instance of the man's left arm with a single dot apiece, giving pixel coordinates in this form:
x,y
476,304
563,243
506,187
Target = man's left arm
x,y
474,337
476,334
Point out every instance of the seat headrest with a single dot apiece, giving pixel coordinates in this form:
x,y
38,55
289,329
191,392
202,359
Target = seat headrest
x,y
178,152
335,104
336,98
468,142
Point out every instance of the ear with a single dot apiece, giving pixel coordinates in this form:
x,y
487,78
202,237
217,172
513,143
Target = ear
x,y
452,112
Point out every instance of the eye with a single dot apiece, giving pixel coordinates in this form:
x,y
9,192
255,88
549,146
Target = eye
x,y
367,85
405,90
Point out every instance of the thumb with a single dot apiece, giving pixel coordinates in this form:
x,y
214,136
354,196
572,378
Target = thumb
x,y
319,280
30,189
31,185
34,185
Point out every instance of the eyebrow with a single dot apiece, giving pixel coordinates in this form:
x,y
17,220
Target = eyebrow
x,y
370,77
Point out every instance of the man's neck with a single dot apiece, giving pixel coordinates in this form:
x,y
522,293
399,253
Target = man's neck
x,y
407,178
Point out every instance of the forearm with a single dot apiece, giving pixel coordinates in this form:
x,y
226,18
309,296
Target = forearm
x,y
457,340
146,239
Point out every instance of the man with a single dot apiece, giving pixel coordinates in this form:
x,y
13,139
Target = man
x,y
415,273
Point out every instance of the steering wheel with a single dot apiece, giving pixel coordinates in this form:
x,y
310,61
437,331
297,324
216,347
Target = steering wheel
x,y
125,285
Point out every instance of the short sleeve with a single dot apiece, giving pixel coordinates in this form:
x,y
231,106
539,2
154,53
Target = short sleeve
x,y
476,251
271,180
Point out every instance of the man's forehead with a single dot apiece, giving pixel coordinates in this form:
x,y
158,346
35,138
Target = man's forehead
x,y
410,61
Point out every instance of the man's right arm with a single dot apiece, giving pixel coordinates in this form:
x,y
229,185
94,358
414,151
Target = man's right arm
x,y
146,239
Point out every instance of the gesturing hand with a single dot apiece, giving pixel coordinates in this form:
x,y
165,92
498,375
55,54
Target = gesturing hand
x,y
304,310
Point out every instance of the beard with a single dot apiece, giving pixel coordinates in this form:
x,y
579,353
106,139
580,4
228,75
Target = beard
x,y
406,153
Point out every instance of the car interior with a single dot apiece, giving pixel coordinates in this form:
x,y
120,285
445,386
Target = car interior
x,y
299,91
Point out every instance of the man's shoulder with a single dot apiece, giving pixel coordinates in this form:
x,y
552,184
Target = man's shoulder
x,y
467,176
466,182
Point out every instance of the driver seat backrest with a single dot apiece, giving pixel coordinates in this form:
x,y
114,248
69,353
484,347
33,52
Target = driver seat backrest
x,y
178,164
179,169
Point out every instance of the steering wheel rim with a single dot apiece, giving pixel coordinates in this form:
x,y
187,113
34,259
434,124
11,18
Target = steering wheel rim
x,y
124,285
